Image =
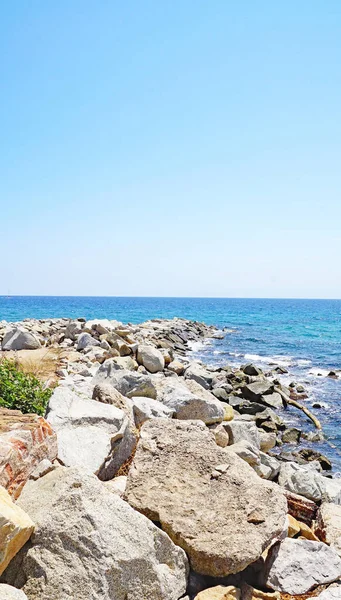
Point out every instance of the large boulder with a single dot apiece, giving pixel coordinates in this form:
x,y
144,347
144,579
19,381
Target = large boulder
x,y
147,408
150,358
18,338
7,592
297,566
328,525
15,528
305,481
208,500
199,374
95,436
255,391
128,383
25,441
190,401
85,340
91,545
243,431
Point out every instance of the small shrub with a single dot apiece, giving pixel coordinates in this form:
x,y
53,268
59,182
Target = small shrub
x,y
20,390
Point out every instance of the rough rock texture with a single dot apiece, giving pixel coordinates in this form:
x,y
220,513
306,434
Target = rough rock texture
x,y
17,338
209,501
150,358
86,340
91,545
192,402
7,592
243,431
25,440
147,408
328,525
303,480
128,383
251,593
199,374
95,436
333,592
301,508
219,592
297,566
15,528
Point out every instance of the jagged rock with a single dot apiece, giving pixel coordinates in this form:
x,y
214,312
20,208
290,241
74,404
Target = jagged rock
x,y
252,370
240,431
255,391
297,566
220,434
17,338
190,401
246,451
293,527
106,393
209,501
73,330
302,480
301,508
147,408
85,340
25,441
126,362
328,525
309,455
91,545
15,529
269,466
199,374
7,592
291,436
273,400
96,436
150,358
117,485
219,592
128,383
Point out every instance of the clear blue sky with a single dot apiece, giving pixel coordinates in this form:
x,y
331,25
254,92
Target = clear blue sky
x,y
171,147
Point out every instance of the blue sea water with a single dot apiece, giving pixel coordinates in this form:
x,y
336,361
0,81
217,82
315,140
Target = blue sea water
x,y
302,335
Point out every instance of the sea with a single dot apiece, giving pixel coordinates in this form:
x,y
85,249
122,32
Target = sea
x,y
304,336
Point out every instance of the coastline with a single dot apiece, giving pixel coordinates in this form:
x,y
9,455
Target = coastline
x,y
148,378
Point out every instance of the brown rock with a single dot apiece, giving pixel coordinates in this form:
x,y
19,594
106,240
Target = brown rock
x,y
293,526
15,529
208,500
219,592
301,508
25,440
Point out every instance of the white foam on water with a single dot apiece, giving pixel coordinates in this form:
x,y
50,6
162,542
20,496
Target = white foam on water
x,y
284,361
317,371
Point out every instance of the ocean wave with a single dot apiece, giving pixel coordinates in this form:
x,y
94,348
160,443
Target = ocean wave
x,y
284,361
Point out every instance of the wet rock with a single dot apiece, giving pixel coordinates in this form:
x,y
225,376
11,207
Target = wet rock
x,y
251,369
209,501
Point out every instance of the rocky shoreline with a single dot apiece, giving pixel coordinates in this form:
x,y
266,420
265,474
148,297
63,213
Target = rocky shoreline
x,y
154,476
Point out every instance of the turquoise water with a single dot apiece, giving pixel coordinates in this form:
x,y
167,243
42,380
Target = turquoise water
x,y
303,335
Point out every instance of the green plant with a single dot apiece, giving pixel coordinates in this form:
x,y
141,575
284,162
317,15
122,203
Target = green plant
x,y
20,390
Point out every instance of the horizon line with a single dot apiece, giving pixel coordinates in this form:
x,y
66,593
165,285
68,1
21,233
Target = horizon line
x,y
9,296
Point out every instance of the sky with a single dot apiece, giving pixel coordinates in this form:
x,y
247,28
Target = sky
x,y
171,148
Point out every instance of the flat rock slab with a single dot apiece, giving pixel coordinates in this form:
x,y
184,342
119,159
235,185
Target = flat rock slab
x,y
297,566
210,502
91,545
25,440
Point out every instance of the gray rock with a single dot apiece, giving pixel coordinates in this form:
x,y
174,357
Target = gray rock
x,y
7,592
305,481
85,340
199,374
150,358
296,566
209,501
147,408
255,391
291,436
95,436
73,330
269,466
239,430
128,383
190,401
273,400
91,545
333,592
246,451
17,338
117,485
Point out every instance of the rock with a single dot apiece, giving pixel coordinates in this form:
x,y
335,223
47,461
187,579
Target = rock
x,y
243,431
85,340
45,466
308,533
269,466
302,480
7,592
309,455
177,367
220,434
17,338
73,330
255,391
297,566
301,508
117,485
147,408
220,394
95,436
209,501
25,441
293,527
90,545
126,362
128,383
246,451
291,436
328,525
150,358
250,593
219,592
273,400
106,393
252,370
190,401
267,440
333,592
199,374
15,529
